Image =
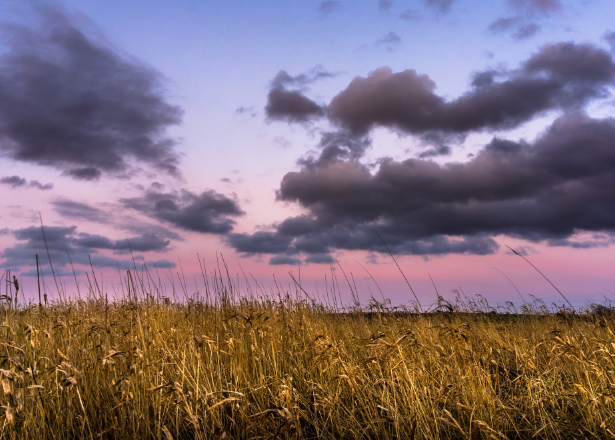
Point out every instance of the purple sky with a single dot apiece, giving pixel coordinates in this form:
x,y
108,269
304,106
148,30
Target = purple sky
x,y
292,135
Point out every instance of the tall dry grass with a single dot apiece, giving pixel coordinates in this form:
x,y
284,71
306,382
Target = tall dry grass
x,y
224,367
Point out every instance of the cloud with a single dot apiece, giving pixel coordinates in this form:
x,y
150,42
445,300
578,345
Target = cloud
x,y
385,5
523,24
609,37
80,246
410,15
249,110
38,185
20,182
84,173
14,181
390,41
441,6
260,242
560,76
338,145
79,211
519,28
292,105
69,101
283,80
318,259
148,242
280,260
541,6
442,150
545,191
208,212
329,6
73,210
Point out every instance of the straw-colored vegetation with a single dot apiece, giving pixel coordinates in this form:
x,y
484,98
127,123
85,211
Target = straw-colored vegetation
x,y
286,368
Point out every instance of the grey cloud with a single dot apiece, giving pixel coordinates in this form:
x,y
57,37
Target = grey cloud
x,y
279,260
148,242
523,24
441,6
335,146
385,5
318,259
71,209
70,102
609,37
208,212
80,246
19,182
410,15
14,181
38,185
517,26
390,41
292,106
286,100
558,77
162,264
542,6
545,191
84,173
260,242
442,150
81,211
283,79
328,6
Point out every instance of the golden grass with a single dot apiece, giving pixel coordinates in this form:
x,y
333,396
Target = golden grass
x,y
286,369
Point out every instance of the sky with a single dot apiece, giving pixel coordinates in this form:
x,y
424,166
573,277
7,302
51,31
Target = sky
x,y
309,137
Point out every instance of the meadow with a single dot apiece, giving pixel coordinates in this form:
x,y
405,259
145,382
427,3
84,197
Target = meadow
x,y
279,364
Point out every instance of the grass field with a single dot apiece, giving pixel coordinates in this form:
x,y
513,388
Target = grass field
x,y
222,367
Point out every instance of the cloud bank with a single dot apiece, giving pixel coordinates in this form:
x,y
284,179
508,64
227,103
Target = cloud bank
x,y
70,102
82,247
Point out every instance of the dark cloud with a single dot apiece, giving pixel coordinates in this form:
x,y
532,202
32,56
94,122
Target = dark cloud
x,y
80,246
73,210
243,110
410,15
541,6
148,242
442,150
327,7
85,173
523,24
280,260
208,212
609,37
38,185
385,5
517,27
286,100
69,101
14,181
319,259
335,146
259,243
390,41
559,76
284,80
19,182
548,190
79,211
441,6
291,106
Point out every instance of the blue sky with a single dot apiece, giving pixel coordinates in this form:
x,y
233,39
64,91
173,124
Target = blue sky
x,y
220,57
